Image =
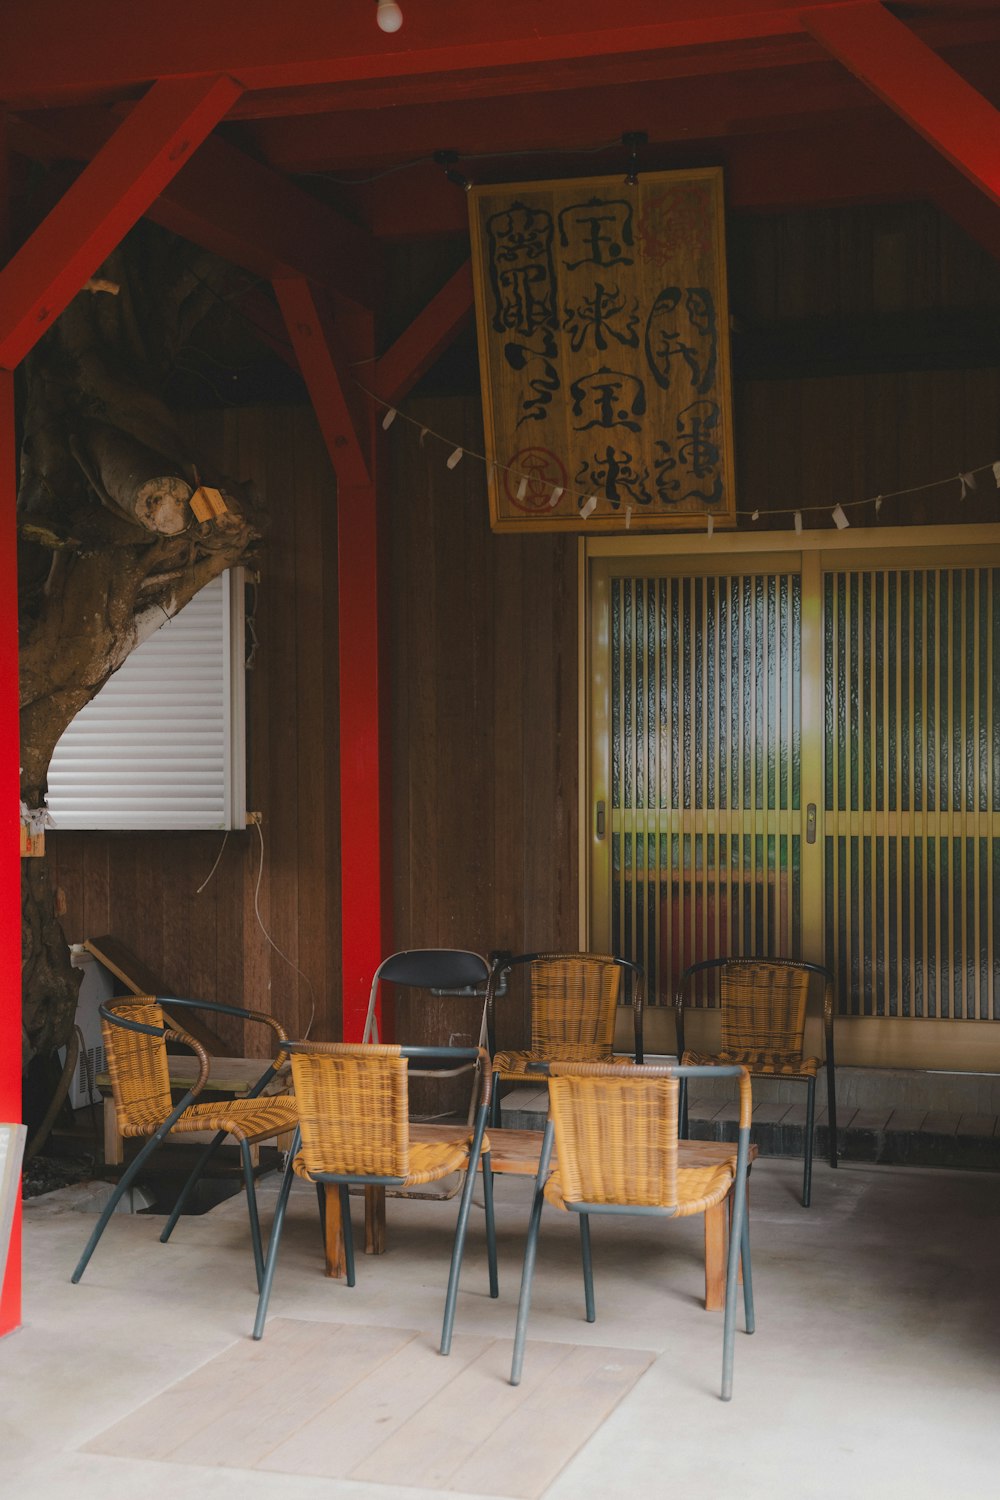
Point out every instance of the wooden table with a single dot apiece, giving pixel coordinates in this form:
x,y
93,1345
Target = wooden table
x,y
516,1152
230,1075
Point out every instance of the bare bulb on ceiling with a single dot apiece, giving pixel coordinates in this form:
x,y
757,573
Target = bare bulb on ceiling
x,y
388,15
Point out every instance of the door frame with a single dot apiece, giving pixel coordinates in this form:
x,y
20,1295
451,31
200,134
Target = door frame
x,y
901,1042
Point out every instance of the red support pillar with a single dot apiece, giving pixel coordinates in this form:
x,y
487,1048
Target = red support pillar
x,y
365,790
10,778
10,862
348,428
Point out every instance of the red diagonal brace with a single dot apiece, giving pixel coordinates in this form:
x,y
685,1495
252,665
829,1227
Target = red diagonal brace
x,y
916,83
145,152
312,339
431,331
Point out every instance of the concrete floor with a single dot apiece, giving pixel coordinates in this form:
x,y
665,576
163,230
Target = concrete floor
x,y
873,1371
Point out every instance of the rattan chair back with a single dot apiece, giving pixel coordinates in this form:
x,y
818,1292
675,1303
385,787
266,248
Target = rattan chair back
x,y
137,1065
763,1007
615,1134
573,1005
353,1107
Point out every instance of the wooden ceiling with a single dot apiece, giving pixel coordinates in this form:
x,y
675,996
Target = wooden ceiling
x,y
292,138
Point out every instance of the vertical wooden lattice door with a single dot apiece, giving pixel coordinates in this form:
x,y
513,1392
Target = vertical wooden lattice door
x,y
701,677
912,791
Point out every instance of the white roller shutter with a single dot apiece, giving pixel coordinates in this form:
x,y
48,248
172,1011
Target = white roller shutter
x,y
163,743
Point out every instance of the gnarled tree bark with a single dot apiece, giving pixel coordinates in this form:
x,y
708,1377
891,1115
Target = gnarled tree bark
x,y
108,544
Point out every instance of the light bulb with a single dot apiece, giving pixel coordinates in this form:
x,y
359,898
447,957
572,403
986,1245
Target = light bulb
x,y
388,15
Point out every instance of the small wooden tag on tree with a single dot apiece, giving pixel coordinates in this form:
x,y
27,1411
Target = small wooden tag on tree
x,y
207,503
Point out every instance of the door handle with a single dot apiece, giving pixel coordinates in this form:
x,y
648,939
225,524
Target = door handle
x,y
811,823
600,820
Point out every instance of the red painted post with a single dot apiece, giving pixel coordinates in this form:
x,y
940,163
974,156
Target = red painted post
x,y
348,426
10,863
366,881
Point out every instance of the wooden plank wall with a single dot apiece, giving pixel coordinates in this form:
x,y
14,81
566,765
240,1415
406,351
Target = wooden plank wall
x,y
143,887
484,643
485,717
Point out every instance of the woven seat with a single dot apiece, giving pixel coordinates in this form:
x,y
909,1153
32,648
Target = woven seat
x,y
762,1004
615,1137
353,1108
574,1001
136,1033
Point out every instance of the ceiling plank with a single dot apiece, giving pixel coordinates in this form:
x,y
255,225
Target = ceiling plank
x,y
229,204
109,196
52,49
828,164
321,365
685,109
430,333
961,37
914,81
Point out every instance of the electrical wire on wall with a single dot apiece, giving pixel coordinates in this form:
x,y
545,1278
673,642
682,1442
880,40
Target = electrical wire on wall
x,y
260,921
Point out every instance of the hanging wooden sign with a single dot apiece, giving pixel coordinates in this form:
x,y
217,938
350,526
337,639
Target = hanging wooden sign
x,y
603,326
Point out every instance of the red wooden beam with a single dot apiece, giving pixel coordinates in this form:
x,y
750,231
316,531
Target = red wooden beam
x,y
915,82
313,341
145,152
428,335
228,203
52,49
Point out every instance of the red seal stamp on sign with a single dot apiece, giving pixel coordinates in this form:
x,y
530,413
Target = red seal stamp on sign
x,y
530,478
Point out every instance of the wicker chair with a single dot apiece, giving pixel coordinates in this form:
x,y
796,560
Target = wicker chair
x,y
614,1130
354,1129
763,1013
574,1003
135,1041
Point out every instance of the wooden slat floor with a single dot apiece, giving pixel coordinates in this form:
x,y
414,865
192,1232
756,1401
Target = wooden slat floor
x,y
347,1401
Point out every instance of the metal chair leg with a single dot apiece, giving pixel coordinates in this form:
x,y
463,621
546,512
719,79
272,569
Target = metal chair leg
x,y
588,1267
831,1099
126,1179
682,1109
187,1189
347,1230
530,1250
748,1313
457,1251
491,1227
810,1131
321,1200
738,1241
272,1247
258,1251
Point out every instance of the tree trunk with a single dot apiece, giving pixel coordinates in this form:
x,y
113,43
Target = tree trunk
x,y
50,984
109,547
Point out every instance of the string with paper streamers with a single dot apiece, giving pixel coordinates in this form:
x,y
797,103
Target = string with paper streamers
x,y
967,481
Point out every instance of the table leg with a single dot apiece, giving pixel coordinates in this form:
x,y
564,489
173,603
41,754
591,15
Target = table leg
x,y
333,1232
716,1244
114,1146
374,1221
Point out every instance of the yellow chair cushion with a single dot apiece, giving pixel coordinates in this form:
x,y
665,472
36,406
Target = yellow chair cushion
x,y
757,1064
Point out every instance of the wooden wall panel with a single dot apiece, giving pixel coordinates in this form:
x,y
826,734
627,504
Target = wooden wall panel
x,y
143,887
484,641
485,710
